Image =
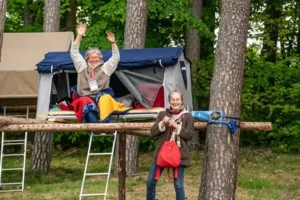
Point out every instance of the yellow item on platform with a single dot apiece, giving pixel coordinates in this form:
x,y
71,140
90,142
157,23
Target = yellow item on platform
x,y
107,106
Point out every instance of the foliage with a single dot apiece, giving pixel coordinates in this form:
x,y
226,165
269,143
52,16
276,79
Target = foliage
x,y
15,17
146,144
168,20
203,70
65,141
101,17
270,94
202,74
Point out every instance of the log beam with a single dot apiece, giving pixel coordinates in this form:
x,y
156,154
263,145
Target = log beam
x,y
6,120
128,128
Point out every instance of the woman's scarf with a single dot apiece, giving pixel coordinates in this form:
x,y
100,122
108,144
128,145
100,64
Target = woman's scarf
x,y
177,115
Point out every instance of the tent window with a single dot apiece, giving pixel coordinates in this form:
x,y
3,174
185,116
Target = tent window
x,y
143,84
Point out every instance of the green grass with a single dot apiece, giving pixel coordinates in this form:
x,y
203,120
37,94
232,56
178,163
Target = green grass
x,y
263,175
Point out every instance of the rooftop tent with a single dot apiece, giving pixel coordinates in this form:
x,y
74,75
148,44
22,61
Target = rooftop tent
x,y
146,74
20,53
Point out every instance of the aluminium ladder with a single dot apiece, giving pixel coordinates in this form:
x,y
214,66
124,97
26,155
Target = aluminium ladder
x,y
104,194
14,142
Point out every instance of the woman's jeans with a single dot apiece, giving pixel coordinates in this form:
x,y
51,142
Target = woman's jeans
x,y
92,117
178,183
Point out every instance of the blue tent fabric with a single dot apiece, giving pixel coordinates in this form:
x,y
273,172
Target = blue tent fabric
x,y
129,59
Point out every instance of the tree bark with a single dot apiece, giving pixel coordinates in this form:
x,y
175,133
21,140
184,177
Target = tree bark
x,y
27,15
71,16
269,50
219,174
136,24
192,50
134,37
42,152
192,39
51,16
2,22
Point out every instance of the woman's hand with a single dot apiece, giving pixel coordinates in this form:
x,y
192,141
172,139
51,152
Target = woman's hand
x,y
111,37
166,119
81,29
173,123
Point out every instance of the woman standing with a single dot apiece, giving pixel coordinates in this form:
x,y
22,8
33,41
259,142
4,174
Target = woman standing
x,y
181,124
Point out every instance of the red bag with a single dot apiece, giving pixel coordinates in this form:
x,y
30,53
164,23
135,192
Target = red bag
x,y
168,157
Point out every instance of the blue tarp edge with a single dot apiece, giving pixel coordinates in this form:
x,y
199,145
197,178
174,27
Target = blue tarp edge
x,y
129,59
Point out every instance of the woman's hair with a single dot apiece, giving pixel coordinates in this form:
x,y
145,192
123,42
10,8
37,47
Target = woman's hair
x,y
175,91
91,51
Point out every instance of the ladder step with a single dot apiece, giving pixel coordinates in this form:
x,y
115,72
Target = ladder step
x,y
102,135
13,141
90,195
25,116
20,143
10,155
96,174
12,169
99,154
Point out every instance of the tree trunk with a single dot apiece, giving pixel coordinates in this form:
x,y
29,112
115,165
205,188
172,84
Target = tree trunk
x,y
2,22
134,37
192,39
136,21
269,50
221,161
42,152
27,15
71,16
192,50
51,16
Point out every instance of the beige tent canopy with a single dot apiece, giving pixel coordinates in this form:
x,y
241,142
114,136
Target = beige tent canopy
x,y
20,54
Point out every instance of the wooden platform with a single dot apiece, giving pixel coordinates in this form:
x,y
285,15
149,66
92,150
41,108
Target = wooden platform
x,y
130,116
